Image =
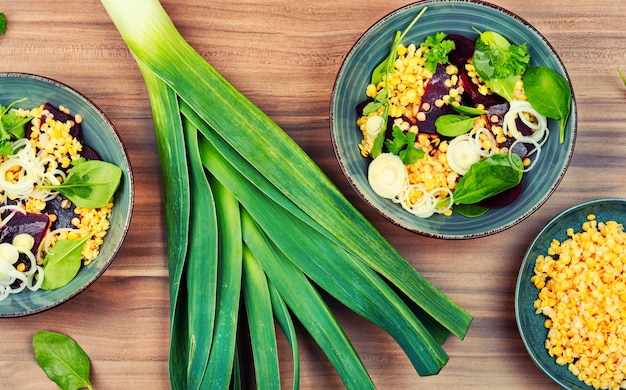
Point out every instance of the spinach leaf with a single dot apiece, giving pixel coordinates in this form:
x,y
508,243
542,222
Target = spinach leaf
x,y
451,125
3,23
470,210
549,93
62,359
63,261
403,144
467,110
90,184
12,126
489,177
621,75
499,63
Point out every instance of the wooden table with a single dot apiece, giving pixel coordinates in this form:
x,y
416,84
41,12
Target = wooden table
x,y
284,55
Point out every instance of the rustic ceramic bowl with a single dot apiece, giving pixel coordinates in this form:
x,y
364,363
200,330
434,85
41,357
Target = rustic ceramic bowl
x,y
460,17
99,133
531,326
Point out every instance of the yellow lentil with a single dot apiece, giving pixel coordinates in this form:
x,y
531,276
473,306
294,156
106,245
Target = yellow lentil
x,y
582,291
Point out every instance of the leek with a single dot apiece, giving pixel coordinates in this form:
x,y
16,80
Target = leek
x,y
277,233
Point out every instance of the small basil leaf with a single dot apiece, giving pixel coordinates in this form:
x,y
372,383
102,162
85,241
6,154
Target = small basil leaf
x,y
451,125
62,359
489,177
549,93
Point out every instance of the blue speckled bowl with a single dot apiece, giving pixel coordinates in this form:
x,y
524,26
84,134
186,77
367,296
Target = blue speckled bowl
x,y
460,17
99,133
531,325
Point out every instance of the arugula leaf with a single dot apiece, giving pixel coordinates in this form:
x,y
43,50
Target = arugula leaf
x,y
403,144
549,93
3,23
90,184
499,63
382,99
438,49
62,359
451,125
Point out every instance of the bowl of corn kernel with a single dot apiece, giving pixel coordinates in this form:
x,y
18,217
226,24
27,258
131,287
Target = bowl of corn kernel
x,y
570,297
66,190
437,137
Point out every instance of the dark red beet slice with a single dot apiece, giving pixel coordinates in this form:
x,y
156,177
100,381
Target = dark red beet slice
x,y
64,215
34,224
471,90
502,199
463,50
435,90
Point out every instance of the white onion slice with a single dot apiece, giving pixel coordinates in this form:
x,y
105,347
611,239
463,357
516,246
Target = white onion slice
x,y
387,175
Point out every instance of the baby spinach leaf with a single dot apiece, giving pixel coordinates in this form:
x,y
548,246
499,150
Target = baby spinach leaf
x,y
621,75
489,177
90,184
467,110
549,93
471,210
451,125
63,262
3,23
12,126
62,359
499,63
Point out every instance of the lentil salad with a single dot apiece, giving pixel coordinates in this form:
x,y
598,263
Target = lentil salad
x,y
46,236
432,120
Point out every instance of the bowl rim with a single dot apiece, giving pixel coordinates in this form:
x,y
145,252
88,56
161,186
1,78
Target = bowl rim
x,y
526,263
130,180
568,157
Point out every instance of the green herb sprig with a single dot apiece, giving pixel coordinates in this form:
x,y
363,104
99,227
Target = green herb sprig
x,y
403,144
438,49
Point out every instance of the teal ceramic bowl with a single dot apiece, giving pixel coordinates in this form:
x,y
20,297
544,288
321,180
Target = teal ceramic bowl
x,y
459,17
99,133
531,325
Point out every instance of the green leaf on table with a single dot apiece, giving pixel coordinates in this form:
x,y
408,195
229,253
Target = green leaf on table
x,y
62,359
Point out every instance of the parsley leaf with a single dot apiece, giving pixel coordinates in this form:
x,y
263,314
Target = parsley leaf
x,y
403,144
3,23
438,49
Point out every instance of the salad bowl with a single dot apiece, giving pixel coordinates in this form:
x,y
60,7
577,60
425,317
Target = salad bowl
x,y
465,18
98,133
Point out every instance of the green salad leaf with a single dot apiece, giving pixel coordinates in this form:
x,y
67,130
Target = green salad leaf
x,y
549,93
451,125
499,63
3,23
63,360
488,177
90,184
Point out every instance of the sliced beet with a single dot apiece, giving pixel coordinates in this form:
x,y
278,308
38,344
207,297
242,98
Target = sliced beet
x,y
502,199
435,90
471,90
463,50
89,153
59,115
34,224
64,215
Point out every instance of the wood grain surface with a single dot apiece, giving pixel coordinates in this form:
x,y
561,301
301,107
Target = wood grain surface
x,y
284,56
